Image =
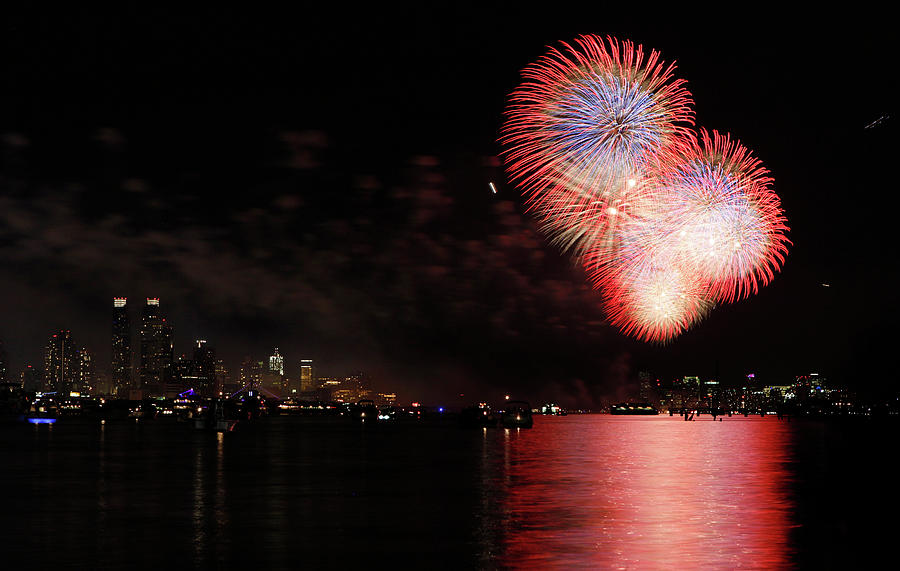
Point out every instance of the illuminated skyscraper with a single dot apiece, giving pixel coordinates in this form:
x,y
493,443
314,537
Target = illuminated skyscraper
x,y
276,363
85,382
307,382
121,347
62,368
156,348
273,378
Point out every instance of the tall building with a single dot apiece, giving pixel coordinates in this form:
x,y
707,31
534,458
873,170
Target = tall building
x,y
32,379
4,364
183,376
276,363
62,367
156,348
645,389
223,379
205,369
273,378
85,383
121,348
251,373
307,381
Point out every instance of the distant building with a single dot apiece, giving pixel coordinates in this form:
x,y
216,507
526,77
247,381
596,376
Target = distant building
x,y
156,348
647,392
273,377
329,387
86,379
276,363
307,380
183,376
251,374
386,398
32,379
354,388
205,368
121,348
4,364
62,366
223,379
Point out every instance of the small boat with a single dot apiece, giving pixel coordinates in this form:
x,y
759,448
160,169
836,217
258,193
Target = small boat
x,y
633,408
516,414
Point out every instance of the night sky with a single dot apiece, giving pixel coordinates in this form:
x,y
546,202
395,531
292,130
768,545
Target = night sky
x,y
318,181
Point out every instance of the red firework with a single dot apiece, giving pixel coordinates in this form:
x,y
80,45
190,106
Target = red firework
x,y
598,138
582,128
725,222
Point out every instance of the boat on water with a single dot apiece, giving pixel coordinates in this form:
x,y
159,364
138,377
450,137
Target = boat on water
x,y
516,414
633,408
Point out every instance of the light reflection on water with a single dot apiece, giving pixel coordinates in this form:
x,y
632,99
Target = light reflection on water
x,y
631,492
578,491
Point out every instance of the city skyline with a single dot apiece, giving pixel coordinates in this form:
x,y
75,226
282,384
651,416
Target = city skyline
x,y
170,373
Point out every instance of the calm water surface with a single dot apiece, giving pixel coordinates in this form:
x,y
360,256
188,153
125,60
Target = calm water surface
x,y
573,492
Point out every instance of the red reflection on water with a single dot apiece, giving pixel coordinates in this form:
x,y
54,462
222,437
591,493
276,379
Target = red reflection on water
x,y
603,491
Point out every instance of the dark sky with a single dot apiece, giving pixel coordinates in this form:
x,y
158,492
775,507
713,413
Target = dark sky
x,y
318,181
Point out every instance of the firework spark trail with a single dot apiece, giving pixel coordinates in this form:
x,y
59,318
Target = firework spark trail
x,y
666,224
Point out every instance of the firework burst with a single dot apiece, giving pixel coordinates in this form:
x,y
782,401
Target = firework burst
x,y
582,128
724,220
653,299
667,224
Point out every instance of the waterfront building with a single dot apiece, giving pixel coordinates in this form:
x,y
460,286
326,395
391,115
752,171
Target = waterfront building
x,y
273,377
386,398
205,368
121,348
644,382
85,383
61,364
251,373
4,373
307,380
276,363
183,376
156,348
32,379
329,387
223,379
353,388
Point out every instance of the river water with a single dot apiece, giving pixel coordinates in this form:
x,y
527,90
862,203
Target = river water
x,y
582,491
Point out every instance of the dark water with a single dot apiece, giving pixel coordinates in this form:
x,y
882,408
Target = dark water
x,y
573,492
